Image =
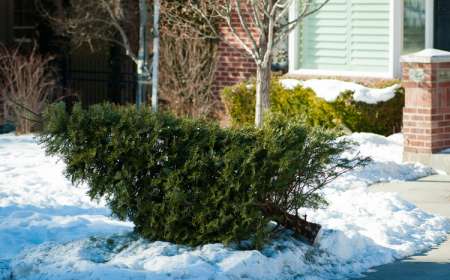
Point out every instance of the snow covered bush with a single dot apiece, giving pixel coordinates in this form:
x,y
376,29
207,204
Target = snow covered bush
x,y
296,101
381,118
192,182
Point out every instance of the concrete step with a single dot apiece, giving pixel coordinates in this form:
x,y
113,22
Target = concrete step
x,y
439,161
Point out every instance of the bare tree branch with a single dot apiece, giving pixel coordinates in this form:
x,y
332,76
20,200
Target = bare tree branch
x,y
257,26
27,84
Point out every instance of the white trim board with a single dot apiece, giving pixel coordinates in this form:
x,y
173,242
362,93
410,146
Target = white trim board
x,y
293,49
395,37
429,24
340,73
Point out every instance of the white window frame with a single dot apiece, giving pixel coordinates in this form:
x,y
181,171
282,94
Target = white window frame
x,y
429,24
395,43
395,37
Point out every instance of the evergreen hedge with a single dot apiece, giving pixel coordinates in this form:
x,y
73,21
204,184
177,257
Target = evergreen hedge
x,y
383,118
302,103
192,182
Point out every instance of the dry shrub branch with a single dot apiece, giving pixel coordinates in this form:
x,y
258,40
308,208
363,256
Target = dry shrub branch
x,y
187,76
27,81
188,64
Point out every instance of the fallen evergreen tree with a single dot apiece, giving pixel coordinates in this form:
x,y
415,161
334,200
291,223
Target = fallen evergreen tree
x,y
192,182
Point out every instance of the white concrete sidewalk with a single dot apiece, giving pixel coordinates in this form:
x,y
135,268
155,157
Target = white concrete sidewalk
x,y
433,195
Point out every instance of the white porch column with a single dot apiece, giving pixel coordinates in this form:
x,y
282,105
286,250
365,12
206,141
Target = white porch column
x,y
429,24
294,38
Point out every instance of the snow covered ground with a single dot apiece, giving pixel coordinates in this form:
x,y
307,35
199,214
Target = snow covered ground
x,y
50,230
331,89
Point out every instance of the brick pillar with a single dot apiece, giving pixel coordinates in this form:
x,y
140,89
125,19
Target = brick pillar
x,y
426,120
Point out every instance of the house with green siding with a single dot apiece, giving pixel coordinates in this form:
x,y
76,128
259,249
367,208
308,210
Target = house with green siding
x,y
346,38
365,38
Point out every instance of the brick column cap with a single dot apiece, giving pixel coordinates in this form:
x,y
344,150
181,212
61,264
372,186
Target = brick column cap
x,y
427,56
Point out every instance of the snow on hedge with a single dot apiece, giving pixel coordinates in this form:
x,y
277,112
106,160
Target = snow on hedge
x,y
50,230
331,89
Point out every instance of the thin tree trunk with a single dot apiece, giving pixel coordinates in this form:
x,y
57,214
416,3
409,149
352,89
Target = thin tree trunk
x,y
155,75
263,76
142,70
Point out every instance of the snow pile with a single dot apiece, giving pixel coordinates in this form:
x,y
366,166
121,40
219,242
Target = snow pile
x,y
37,204
377,223
62,235
331,89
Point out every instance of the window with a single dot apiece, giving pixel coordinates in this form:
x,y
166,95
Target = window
x,y
414,21
442,25
347,35
24,21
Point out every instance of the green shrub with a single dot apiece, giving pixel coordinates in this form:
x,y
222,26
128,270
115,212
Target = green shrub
x,y
382,118
192,182
302,103
299,103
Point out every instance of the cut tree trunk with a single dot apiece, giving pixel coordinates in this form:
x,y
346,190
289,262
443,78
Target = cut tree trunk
x,y
301,228
263,76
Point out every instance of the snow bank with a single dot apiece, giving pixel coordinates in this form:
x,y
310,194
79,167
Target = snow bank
x,y
60,234
331,89
37,204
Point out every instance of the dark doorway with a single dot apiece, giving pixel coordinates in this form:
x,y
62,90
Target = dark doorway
x,y
442,25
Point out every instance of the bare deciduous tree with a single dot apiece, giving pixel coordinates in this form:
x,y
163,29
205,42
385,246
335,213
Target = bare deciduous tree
x,y
27,83
260,25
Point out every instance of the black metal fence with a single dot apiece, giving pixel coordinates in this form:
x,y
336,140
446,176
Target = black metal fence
x,y
100,76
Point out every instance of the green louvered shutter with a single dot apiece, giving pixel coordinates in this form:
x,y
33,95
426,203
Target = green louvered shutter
x,y
347,35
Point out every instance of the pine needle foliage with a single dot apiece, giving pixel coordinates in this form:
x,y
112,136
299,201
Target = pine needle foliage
x,y
189,181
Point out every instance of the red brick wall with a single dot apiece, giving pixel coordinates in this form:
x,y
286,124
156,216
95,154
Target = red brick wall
x,y
427,109
234,64
233,67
